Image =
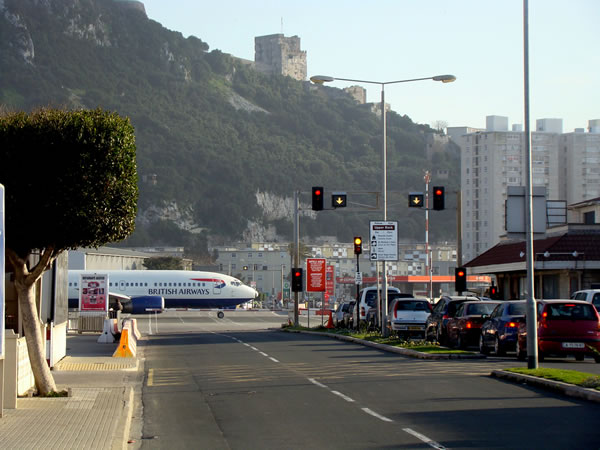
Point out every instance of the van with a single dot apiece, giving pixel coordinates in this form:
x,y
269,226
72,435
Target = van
x,y
368,299
588,295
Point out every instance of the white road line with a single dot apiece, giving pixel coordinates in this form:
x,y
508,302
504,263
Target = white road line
x,y
374,414
247,345
263,353
345,397
313,381
254,348
425,439
273,359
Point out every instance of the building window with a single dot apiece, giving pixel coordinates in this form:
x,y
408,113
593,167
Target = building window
x,y
589,218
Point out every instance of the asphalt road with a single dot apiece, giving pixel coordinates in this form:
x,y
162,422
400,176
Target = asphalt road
x,y
235,384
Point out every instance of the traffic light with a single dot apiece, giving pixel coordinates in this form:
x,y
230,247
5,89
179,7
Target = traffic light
x,y
297,285
460,279
494,292
317,198
338,200
415,200
438,198
357,245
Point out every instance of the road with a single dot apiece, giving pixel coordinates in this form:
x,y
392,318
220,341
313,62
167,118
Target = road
x,y
236,384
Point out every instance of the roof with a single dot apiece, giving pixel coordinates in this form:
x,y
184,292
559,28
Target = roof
x,y
559,248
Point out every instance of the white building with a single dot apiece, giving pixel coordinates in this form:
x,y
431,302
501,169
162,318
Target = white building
x,y
567,165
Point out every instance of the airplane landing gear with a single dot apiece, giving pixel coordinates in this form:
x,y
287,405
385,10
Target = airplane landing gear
x,y
220,314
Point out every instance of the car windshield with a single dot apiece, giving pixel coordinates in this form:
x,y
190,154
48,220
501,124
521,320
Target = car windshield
x,y
371,297
412,305
480,308
569,311
517,309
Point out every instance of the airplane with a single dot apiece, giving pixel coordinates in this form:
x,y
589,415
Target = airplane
x,y
143,290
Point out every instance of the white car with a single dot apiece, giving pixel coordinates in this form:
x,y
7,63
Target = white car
x,y
588,295
408,317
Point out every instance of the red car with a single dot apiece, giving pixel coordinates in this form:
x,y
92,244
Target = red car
x,y
565,327
464,328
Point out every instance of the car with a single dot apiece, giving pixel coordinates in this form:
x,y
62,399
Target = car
x,y
499,332
588,295
465,326
564,328
340,315
367,299
372,320
408,317
444,309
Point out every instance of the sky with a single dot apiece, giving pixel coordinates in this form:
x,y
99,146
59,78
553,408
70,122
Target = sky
x,y
478,41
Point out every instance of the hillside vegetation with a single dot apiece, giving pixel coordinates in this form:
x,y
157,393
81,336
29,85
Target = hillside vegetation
x,y
213,135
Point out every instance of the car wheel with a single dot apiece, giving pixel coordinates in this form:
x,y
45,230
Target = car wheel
x,y
579,357
521,354
498,349
482,348
459,342
438,335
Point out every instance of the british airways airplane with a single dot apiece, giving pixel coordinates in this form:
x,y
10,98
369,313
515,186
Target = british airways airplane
x,y
178,288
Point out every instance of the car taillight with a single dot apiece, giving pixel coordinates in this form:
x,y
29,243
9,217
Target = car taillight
x,y
445,316
511,325
469,324
543,321
362,311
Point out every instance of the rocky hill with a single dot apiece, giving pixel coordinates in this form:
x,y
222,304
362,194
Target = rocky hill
x,y
221,148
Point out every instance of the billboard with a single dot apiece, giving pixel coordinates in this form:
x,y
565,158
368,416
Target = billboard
x,y
315,274
93,292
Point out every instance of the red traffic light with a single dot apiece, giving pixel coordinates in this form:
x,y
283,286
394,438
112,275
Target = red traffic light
x,y
438,198
317,198
460,273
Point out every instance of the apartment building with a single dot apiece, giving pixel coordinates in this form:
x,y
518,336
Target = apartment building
x,y
566,165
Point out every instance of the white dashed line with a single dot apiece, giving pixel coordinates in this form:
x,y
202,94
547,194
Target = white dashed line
x,y
264,354
313,381
273,359
374,414
345,397
425,439
254,348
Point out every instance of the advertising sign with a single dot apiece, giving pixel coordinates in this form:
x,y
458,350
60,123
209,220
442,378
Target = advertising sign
x,y
315,274
383,241
93,292
329,280
1,273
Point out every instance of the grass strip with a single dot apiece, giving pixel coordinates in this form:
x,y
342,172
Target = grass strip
x,y
583,379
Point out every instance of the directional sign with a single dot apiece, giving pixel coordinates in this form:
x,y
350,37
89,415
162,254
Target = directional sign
x,y
415,199
338,199
383,241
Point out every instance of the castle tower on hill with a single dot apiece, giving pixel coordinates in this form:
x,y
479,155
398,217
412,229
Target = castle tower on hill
x,y
278,54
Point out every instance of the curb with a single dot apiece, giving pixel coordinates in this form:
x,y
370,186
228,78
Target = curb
x,y
569,390
121,435
389,348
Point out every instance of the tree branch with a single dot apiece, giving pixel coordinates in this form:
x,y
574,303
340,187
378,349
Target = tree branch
x,y
48,256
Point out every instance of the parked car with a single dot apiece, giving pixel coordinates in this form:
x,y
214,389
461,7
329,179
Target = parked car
x,y
371,319
588,295
564,328
340,315
367,299
444,309
464,328
499,332
408,317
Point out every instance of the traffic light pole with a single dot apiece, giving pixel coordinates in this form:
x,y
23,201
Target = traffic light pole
x,y
357,305
296,251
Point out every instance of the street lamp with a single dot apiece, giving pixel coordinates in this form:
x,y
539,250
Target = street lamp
x,y
320,79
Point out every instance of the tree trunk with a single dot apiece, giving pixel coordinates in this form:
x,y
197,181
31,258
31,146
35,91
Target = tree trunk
x,y
32,325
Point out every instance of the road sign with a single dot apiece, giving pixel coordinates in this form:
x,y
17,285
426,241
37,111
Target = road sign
x,y
315,274
358,279
383,241
338,199
415,199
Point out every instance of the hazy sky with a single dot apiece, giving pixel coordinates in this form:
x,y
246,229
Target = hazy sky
x,y
478,41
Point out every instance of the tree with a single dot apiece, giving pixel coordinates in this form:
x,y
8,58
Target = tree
x,y
70,181
163,263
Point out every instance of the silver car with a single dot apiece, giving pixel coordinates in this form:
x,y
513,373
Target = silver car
x,y
408,317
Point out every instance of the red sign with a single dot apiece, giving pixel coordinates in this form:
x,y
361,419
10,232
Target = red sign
x,y
329,280
93,292
315,274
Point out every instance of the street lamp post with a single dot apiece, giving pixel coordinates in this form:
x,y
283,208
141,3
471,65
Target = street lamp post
x,y
320,79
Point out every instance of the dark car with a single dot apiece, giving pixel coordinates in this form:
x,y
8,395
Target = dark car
x,y
564,328
464,328
499,332
444,309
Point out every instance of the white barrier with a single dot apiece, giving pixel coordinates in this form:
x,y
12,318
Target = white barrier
x,y
110,331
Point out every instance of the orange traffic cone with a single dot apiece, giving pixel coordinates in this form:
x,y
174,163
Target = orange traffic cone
x,y
330,322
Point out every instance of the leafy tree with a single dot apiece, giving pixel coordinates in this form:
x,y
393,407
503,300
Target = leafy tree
x,y
163,263
70,181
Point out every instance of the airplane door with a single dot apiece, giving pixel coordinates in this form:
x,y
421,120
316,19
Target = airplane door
x,y
121,285
217,288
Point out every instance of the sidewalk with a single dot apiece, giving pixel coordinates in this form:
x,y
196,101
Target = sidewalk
x,y
96,415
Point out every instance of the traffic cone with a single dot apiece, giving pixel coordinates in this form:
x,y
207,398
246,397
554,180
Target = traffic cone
x,y
330,322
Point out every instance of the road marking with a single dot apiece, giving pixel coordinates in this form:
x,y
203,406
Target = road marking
x,y
374,414
273,359
313,381
254,348
345,397
424,438
150,377
264,354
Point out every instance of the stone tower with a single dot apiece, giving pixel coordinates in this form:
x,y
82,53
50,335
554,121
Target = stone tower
x,y
276,53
